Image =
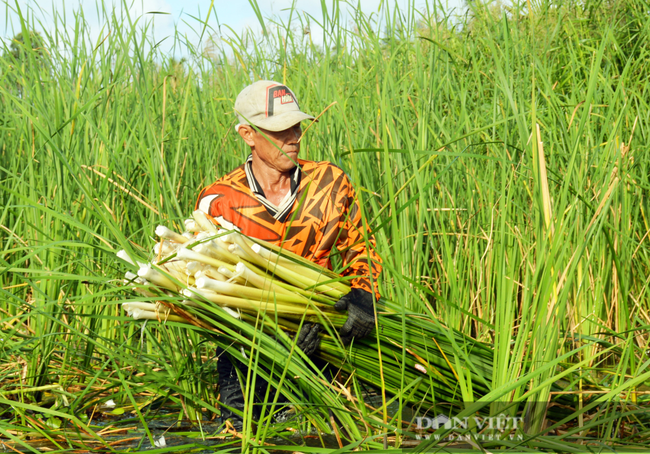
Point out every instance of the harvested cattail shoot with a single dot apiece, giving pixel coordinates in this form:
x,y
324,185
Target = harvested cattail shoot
x,y
247,278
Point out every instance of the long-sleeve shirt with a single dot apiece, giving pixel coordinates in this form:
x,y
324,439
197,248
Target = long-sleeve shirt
x,y
319,216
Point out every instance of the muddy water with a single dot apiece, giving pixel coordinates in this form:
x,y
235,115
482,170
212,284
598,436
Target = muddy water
x,y
125,433
118,430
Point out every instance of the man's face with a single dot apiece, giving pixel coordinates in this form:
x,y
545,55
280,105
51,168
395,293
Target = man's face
x,y
278,150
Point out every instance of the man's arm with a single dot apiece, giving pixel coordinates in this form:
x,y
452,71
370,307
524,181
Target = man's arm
x,y
357,246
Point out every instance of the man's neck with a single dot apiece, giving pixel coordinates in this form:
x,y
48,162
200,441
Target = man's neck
x,y
275,184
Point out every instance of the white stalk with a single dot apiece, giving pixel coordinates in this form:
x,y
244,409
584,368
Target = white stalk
x,y
178,266
213,274
139,314
130,279
203,222
228,238
249,254
255,294
164,232
191,226
135,305
235,313
178,274
190,303
174,272
286,310
190,292
259,281
188,255
222,247
296,278
124,256
164,249
272,257
203,235
205,249
156,277
195,293
129,276
236,249
276,260
226,272
217,250
194,267
232,277
301,278
207,295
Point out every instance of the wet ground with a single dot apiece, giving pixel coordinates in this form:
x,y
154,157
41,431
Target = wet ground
x,y
120,431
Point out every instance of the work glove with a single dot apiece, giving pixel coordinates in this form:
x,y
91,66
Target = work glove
x,y
361,314
308,339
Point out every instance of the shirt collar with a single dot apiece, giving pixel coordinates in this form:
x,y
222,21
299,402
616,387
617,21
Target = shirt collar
x,y
278,212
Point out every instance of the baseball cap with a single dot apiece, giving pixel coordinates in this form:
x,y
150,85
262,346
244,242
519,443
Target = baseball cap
x,y
269,105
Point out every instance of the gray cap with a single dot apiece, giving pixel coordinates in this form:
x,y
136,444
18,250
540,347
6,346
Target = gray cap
x,y
269,105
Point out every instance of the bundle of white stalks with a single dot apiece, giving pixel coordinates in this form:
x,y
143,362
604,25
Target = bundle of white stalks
x,y
205,276
209,265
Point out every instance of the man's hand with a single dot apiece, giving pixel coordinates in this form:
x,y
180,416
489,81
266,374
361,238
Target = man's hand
x,y
361,314
308,339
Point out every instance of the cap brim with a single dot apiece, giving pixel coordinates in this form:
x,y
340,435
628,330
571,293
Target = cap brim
x,y
283,121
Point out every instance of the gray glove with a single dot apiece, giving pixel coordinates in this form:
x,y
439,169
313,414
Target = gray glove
x,y
308,339
361,314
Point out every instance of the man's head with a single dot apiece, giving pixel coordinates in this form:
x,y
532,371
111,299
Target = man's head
x,y
274,110
277,150
269,105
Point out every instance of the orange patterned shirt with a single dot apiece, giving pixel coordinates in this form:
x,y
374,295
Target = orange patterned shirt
x,y
320,216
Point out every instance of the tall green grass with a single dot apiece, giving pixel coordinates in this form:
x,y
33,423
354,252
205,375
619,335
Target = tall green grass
x,y
500,159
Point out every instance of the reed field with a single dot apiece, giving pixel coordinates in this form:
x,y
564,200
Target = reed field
x,y
501,160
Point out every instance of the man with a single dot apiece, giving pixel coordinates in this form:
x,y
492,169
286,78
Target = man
x,y
307,207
